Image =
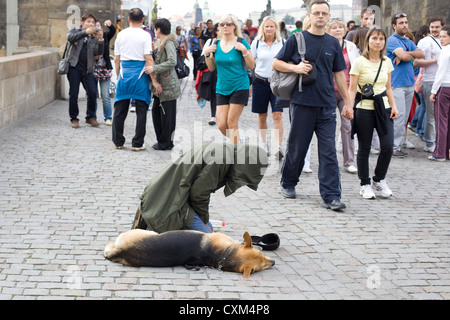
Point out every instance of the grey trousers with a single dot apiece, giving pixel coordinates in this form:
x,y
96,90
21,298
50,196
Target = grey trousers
x,y
403,98
430,123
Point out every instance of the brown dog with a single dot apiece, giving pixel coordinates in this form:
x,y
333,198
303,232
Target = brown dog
x,y
140,248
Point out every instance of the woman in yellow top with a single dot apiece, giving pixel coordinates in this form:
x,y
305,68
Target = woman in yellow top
x,y
375,108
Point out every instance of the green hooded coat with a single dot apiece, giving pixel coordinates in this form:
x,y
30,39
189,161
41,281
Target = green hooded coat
x,y
184,187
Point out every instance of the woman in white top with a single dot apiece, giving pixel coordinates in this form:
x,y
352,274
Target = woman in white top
x,y
336,28
265,47
440,95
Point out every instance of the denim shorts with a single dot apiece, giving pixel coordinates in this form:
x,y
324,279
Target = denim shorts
x,y
262,95
237,97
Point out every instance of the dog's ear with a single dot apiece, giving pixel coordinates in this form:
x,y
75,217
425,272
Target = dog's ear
x,y
248,240
247,271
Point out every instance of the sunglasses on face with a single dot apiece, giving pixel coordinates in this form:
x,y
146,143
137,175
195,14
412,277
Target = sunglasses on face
x,y
227,24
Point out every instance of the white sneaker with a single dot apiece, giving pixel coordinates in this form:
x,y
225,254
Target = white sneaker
x,y
307,170
408,145
383,188
367,192
429,149
351,169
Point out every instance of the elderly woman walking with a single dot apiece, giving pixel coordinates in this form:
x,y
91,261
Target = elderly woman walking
x,y
336,28
265,47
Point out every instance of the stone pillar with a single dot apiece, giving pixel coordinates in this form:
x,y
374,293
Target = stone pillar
x,y
12,26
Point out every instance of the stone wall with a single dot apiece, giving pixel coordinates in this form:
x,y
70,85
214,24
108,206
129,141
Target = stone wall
x,y
44,23
418,11
27,83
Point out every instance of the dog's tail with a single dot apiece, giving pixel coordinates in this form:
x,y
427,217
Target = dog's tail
x,y
111,251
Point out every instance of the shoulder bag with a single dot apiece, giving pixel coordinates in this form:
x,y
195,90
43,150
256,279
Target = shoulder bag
x,y
311,77
63,64
283,83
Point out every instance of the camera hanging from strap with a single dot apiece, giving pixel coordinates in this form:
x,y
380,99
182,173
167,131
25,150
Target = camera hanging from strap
x,y
367,91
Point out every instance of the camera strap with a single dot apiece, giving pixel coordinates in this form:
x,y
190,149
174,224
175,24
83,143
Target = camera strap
x,y
376,78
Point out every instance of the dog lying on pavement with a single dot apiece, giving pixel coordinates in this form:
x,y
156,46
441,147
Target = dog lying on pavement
x,y
141,248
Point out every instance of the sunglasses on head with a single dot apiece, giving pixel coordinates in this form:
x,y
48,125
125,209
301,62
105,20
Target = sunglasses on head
x,y
227,24
401,15
335,19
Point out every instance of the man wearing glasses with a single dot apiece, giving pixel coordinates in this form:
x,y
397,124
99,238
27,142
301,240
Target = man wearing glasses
x,y
402,51
314,108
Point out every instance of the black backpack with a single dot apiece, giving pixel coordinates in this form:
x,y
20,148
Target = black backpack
x,y
181,68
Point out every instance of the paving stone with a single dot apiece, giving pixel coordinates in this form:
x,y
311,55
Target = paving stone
x,y
65,193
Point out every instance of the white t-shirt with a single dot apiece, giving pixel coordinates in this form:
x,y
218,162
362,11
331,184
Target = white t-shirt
x,y
264,56
431,47
443,73
133,44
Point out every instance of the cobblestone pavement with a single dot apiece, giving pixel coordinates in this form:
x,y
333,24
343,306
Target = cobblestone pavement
x,y
65,193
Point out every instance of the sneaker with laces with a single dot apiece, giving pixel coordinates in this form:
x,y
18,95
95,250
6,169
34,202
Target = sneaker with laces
x,y
383,188
408,145
288,193
367,192
137,149
335,205
351,169
399,154
436,159
428,149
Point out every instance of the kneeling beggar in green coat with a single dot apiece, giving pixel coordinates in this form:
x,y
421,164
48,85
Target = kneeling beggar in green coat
x,y
184,187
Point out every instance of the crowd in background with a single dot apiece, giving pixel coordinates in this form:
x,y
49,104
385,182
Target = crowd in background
x,y
380,85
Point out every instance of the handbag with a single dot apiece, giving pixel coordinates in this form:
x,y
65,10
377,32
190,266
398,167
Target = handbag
x,y
283,83
63,64
101,72
181,68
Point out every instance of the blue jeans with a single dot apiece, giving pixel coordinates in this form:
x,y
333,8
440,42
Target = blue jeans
x,y
106,100
418,121
76,77
199,225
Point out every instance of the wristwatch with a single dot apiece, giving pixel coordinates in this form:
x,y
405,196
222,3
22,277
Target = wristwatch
x,y
207,56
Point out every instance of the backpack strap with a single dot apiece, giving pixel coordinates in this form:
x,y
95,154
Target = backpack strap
x,y
301,45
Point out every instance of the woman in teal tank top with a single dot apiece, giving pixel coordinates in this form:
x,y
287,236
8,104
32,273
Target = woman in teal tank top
x,y
229,55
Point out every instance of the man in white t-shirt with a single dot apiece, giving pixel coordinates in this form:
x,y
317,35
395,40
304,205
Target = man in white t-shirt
x,y
431,47
133,52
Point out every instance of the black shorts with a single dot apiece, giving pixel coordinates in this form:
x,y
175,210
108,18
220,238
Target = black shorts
x,y
237,97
